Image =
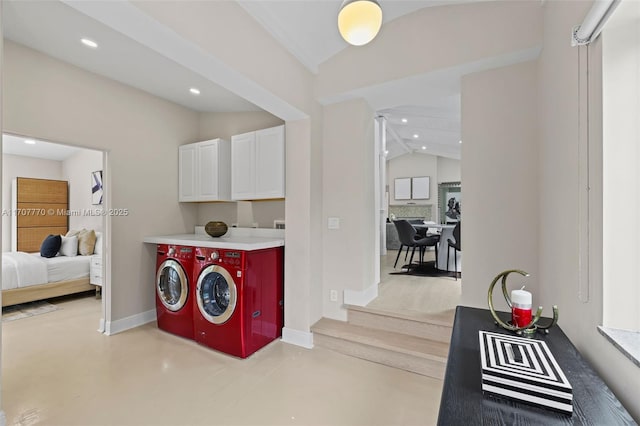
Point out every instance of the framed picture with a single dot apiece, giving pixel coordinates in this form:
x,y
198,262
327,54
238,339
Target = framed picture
x,y
96,187
420,188
402,189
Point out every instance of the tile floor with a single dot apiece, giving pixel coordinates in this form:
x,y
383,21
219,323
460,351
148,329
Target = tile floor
x,y
57,370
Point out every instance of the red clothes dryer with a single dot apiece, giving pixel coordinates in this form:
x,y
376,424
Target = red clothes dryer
x,y
238,307
175,289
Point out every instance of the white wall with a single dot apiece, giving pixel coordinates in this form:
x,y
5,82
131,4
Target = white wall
x,y
561,145
14,166
414,165
447,35
448,170
77,170
500,178
47,99
348,195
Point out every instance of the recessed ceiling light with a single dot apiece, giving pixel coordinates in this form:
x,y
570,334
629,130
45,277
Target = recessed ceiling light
x,y
404,120
386,151
459,141
424,147
194,91
89,43
29,141
415,136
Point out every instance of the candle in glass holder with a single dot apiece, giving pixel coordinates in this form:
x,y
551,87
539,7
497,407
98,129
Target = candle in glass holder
x,y
520,307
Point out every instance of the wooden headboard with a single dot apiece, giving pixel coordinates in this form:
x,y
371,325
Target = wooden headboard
x,y
40,207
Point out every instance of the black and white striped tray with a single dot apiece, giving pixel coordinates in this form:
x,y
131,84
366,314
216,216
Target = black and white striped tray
x,y
523,369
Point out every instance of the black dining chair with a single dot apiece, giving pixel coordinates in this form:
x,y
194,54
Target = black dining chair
x,y
410,238
456,246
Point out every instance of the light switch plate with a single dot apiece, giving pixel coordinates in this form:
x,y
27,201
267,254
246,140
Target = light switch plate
x,y
334,223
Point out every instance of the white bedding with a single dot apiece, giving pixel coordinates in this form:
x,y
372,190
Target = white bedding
x,y
62,268
21,269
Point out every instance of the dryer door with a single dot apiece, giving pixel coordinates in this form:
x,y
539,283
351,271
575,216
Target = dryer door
x,y
216,293
172,285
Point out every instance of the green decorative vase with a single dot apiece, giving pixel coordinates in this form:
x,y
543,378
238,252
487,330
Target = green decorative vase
x,y
216,228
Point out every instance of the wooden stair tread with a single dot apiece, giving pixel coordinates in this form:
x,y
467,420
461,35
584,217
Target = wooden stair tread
x,y
416,346
441,318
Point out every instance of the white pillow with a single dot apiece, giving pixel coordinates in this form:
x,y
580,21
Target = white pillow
x,y
98,248
69,246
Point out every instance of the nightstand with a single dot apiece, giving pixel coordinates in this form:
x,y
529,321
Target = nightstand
x,y
95,273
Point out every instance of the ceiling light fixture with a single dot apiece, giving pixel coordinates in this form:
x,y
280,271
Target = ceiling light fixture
x,y
459,141
89,43
29,141
404,120
424,147
416,136
194,91
359,21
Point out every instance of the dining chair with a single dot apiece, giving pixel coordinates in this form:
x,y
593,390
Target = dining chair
x,y
456,246
410,238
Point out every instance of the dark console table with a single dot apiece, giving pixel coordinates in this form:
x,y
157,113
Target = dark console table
x,y
463,402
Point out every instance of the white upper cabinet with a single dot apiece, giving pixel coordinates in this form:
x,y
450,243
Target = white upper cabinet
x,y
243,161
205,171
258,164
187,173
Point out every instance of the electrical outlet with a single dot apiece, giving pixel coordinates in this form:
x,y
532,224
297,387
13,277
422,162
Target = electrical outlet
x,y
333,295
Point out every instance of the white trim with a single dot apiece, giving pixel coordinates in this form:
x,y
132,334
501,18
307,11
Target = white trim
x,y
3,418
297,337
118,326
361,297
101,326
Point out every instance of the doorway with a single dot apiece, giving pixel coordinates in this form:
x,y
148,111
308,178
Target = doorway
x,y
75,268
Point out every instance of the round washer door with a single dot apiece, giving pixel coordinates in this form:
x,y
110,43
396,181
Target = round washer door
x,y
172,285
216,294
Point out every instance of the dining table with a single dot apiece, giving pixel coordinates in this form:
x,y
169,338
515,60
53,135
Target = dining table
x,y
446,233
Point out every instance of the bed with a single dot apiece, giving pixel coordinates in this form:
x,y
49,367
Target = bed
x,y
27,277
40,207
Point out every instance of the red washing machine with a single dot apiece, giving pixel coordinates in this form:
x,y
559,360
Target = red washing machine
x,y
238,307
175,289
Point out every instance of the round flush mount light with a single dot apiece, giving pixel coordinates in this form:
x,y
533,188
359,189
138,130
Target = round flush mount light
x,y
359,21
194,91
29,141
89,43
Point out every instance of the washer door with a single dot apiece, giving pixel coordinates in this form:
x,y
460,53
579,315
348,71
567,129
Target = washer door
x,y
172,285
216,294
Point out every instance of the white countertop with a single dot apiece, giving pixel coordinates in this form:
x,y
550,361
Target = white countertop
x,y
231,240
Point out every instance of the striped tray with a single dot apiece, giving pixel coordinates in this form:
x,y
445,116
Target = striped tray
x,y
523,369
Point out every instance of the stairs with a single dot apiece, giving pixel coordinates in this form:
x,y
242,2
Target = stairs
x,y
418,343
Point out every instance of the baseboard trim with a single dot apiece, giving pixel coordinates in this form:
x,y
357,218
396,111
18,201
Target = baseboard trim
x,y
118,326
361,297
297,337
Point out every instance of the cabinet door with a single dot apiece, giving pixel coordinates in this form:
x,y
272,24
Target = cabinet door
x,y
207,156
243,166
270,163
187,165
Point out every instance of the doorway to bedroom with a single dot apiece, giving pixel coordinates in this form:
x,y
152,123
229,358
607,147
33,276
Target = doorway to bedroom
x,y
53,228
